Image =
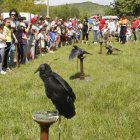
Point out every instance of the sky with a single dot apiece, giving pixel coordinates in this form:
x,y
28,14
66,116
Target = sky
x,y
59,2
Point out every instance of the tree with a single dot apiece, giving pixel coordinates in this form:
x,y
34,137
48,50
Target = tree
x,y
129,7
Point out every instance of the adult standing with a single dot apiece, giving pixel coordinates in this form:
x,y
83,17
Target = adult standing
x,y
48,23
102,23
123,26
13,24
85,30
8,34
2,48
95,30
135,28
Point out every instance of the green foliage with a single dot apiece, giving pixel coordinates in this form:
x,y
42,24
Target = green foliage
x,y
75,12
129,7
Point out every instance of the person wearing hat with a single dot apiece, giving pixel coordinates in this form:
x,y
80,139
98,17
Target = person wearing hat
x,y
48,23
123,24
135,28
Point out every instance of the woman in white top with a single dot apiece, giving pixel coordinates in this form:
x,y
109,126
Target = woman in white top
x,y
2,48
95,30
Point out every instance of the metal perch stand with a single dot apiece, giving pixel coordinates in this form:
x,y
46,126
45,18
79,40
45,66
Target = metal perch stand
x,y
45,120
82,75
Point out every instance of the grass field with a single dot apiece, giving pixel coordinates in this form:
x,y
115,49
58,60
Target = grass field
x,y
107,106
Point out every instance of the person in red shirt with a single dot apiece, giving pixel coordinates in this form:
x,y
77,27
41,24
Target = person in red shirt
x,y
34,19
102,23
135,28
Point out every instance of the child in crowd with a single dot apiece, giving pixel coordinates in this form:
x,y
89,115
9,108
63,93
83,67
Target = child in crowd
x,y
47,40
70,35
24,43
31,44
41,38
128,33
2,48
77,35
52,40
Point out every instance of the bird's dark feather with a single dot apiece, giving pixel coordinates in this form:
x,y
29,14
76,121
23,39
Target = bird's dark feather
x,y
76,51
111,49
59,91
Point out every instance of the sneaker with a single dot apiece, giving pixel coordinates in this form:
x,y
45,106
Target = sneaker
x,y
3,72
8,69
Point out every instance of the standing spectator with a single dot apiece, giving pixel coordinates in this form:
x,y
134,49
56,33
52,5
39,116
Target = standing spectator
x,y
8,34
111,28
13,24
77,34
63,36
52,40
47,40
2,47
85,30
123,23
41,38
70,35
24,42
135,28
31,44
96,30
128,33
54,22
48,23
102,23
34,19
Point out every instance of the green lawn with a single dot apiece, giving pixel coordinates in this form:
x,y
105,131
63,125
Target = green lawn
x,y
107,106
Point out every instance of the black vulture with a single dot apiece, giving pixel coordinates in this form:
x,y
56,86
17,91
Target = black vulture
x,y
58,90
77,52
111,49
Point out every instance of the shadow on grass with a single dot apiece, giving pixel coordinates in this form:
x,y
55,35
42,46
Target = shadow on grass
x,y
77,76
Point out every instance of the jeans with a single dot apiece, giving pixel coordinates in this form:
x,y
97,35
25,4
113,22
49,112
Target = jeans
x,y
1,57
135,32
12,54
6,55
123,34
102,36
95,34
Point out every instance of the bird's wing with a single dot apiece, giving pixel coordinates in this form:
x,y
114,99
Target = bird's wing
x,y
74,53
87,52
64,84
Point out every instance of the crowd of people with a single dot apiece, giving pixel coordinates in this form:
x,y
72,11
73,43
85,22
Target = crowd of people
x,y
22,40
123,28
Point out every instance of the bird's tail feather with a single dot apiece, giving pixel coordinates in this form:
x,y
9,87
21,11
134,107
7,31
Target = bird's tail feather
x,y
67,110
116,49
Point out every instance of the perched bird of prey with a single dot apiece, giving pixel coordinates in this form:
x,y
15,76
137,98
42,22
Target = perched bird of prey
x,y
58,90
77,52
111,49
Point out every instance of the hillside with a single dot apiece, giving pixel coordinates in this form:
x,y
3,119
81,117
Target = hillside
x,y
90,8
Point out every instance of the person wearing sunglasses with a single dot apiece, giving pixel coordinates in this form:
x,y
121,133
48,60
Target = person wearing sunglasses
x,y
13,24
